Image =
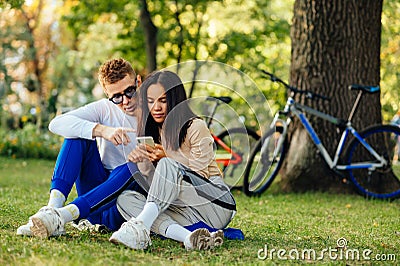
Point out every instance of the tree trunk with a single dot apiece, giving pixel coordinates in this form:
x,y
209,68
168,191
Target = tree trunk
x,y
37,62
335,43
150,33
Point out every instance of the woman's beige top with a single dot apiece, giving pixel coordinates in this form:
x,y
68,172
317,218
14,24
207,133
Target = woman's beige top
x,y
196,152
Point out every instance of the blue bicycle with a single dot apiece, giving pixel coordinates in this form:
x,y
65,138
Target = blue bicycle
x,y
370,160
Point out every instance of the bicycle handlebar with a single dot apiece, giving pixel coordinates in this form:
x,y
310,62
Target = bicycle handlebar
x,y
309,94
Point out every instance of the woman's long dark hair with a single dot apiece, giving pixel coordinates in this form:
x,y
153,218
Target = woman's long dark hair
x,y
179,115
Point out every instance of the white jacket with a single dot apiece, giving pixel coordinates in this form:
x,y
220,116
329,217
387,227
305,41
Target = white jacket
x,y
79,123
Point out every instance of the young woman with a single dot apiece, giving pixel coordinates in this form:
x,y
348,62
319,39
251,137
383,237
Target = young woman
x,y
186,186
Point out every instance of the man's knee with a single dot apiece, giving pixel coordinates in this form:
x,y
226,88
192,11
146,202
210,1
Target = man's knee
x,y
79,141
83,146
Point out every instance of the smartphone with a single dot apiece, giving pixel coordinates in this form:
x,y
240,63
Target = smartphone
x,y
146,140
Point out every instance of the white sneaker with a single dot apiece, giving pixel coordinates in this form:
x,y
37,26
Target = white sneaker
x,y
47,222
25,230
132,234
202,239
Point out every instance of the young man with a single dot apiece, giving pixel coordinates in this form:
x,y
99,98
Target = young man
x,y
98,137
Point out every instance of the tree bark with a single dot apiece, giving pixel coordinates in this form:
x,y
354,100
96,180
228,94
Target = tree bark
x,y
335,43
150,33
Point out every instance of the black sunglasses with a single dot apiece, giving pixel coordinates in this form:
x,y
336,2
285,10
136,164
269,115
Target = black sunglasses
x,y
128,92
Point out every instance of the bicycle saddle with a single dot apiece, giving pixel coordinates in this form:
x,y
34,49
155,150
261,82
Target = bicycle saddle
x,y
369,89
225,99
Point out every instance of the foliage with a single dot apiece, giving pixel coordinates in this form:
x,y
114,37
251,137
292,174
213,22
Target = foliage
x,y
12,3
82,16
278,221
29,143
37,49
82,34
203,30
28,45
390,59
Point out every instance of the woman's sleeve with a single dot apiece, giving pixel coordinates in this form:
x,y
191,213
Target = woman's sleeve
x,y
201,147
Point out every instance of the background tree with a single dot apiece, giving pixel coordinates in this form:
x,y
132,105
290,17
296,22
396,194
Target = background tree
x,y
150,35
136,31
334,44
246,35
28,37
204,30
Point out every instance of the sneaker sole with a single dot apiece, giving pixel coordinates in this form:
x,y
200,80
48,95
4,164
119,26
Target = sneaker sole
x,y
200,239
115,240
38,228
218,238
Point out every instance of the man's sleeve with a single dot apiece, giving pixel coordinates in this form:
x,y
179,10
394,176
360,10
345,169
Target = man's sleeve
x,y
79,123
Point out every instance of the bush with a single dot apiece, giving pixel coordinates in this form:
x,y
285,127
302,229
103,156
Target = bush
x,y
29,143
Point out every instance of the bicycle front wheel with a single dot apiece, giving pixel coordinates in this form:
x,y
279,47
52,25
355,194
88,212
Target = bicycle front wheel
x,y
265,161
239,140
382,182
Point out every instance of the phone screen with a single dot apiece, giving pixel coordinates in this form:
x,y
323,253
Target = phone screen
x,y
146,140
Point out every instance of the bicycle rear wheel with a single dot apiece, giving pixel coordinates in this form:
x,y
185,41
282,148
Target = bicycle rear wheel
x,y
240,140
265,161
383,182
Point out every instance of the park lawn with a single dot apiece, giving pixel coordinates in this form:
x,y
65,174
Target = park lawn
x,y
276,226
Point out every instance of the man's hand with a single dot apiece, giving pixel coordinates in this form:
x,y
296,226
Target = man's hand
x,y
117,135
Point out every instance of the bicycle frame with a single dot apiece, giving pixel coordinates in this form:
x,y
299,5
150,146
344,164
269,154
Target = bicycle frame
x,y
299,111
234,157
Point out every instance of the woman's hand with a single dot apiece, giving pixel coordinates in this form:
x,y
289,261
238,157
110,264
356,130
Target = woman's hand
x,y
146,152
155,153
138,155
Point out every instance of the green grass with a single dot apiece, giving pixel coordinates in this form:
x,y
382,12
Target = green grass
x,y
280,221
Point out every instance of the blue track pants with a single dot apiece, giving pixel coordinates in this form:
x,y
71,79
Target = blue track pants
x,y
79,162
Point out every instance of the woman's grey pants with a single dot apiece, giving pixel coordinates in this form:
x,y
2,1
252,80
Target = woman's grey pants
x,y
182,196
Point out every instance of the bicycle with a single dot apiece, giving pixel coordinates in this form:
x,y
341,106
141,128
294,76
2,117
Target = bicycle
x,y
368,156
231,154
